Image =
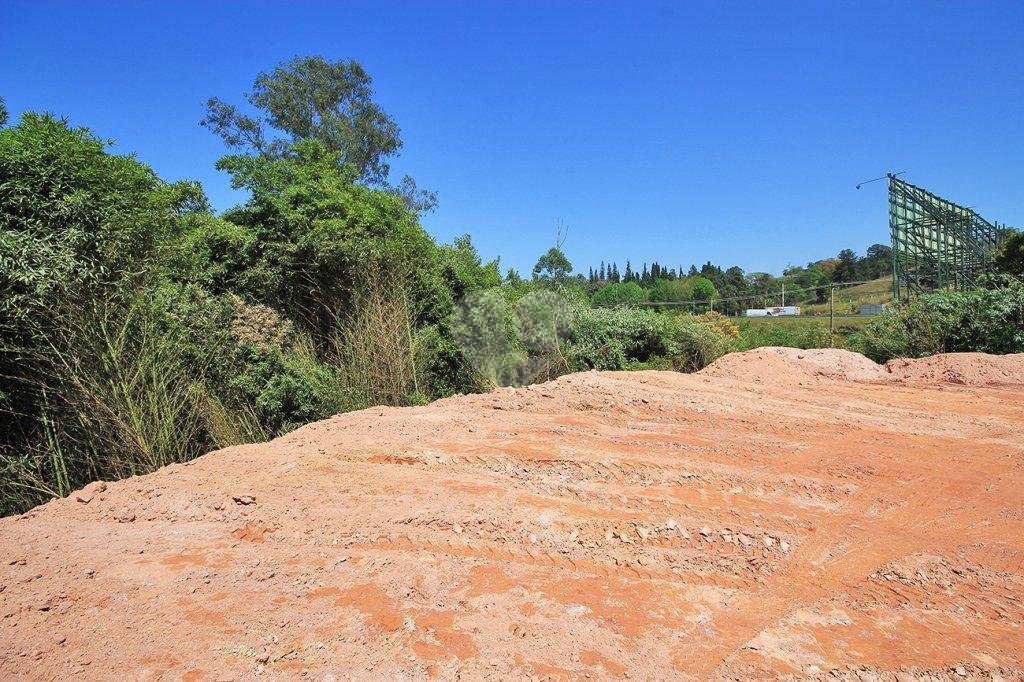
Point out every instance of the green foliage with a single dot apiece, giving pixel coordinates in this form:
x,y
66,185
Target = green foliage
x,y
73,215
288,387
76,225
487,332
463,269
507,339
116,397
138,329
1010,258
988,320
703,289
310,98
553,266
798,334
621,338
313,235
733,290
668,290
624,292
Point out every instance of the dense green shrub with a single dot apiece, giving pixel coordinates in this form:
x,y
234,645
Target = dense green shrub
x,y
86,362
313,236
115,395
614,294
784,332
289,387
621,338
1010,259
988,320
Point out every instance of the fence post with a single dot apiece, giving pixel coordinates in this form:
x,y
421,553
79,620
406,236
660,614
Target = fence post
x,y
832,316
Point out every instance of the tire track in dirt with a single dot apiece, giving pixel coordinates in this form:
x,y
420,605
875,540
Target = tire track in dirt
x,y
650,523
814,573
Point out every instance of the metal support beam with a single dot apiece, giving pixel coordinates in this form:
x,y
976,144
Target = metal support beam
x,y
936,244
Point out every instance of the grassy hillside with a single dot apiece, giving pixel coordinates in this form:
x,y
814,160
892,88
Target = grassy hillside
x,y
849,299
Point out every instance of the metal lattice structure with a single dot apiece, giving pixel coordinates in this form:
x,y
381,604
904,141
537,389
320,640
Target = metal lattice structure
x,y
937,244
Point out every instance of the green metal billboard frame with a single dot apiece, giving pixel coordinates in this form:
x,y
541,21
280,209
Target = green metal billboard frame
x,y
937,244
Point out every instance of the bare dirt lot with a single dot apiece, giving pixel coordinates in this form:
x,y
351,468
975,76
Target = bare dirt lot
x,y
800,513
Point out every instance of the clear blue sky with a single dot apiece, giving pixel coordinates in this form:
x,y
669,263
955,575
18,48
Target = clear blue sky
x,y
683,132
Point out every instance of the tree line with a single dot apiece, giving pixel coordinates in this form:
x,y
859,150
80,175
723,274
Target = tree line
x,y
804,284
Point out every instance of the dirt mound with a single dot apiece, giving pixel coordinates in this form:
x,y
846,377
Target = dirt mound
x,y
655,524
778,364
970,369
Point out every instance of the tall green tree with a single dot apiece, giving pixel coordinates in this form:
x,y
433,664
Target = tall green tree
x,y
465,271
310,98
877,261
612,294
74,216
552,266
309,236
703,289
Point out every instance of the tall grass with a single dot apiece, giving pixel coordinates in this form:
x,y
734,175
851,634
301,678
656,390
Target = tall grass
x,y
117,397
374,344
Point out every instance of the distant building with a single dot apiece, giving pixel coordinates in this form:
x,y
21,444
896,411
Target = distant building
x,y
871,309
777,311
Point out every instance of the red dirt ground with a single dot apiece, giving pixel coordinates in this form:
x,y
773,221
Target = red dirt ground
x,y
783,513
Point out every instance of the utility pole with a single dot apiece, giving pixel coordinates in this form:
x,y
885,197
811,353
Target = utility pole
x,y
832,315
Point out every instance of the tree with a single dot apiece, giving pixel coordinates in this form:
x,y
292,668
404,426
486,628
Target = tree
x,y
671,290
3,112
81,232
846,269
877,262
314,236
552,266
612,294
417,199
310,98
74,216
703,289
1010,258
464,269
